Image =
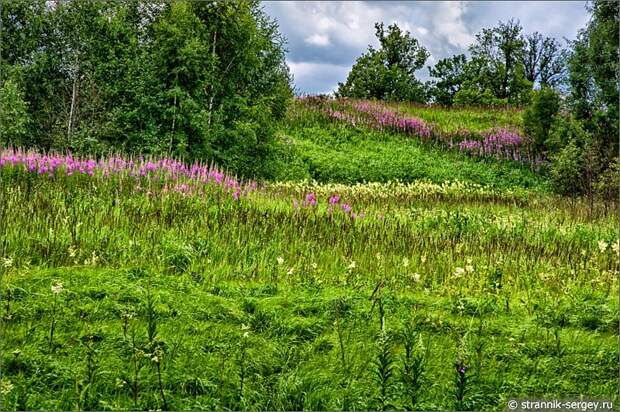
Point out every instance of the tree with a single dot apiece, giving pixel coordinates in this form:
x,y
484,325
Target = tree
x,y
388,73
543,60
198,80
594,74
495,72
451,73
14,117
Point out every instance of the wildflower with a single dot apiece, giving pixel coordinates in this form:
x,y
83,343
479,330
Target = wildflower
x,y
351,265
405,262
416,277
314,266
602,246
290,271
57,288
469,268
423,259
346,207
280,260
459,272
616,247
334,199
7,262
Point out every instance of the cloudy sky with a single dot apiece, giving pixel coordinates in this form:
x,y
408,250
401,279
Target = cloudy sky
x,y
325,37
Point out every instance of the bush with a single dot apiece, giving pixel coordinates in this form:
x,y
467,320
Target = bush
x,y
608,183
576,166
566,169
469,96
540,115
14,118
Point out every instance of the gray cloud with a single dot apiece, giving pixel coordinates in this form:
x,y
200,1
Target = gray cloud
x,y
325,38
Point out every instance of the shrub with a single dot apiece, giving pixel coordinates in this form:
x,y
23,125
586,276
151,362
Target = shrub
x,y
539,116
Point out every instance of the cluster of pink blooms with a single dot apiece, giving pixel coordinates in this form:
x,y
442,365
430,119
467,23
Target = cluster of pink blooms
x,y
333,203
388,119
499,142
182,178
342,116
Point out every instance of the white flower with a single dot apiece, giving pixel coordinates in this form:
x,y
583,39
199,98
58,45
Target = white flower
x,y
290,271
280,260
405,262
57,288
7,262
459,272
616,247
469,268
416,277
602,246
423,259
352,265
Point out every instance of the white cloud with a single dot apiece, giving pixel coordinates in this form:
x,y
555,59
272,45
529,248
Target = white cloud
x,y
448,22
318,40
308,76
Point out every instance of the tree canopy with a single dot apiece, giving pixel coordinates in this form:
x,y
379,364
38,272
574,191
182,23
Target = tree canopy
x,y
199,80
388,73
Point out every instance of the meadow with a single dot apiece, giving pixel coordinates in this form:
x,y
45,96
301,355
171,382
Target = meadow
x,y
406,276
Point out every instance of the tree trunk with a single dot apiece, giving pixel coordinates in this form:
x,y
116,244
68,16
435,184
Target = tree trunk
x,y
72,110
212,93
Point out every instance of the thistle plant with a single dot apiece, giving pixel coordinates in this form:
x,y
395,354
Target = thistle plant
x,y
413,365
460,384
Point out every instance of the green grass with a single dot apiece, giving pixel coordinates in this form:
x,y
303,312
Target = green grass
x,y
452,119
201,302
336,153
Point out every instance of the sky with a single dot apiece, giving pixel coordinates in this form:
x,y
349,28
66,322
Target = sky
x,y
325,37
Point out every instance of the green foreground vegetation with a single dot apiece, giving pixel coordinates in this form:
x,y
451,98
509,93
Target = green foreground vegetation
x,y
441,297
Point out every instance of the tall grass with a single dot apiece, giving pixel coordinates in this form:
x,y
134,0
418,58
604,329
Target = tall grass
x,y
200,299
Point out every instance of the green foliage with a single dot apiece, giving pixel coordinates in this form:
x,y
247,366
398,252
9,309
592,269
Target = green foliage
x,y
495,74
593,75
334,153
389,72
200,80
576,165
14,117
540,115
566,169
451,74
543,60
129,333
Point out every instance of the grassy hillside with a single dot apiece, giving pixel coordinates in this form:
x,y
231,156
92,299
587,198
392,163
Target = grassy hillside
x,y
158,286
453,119
328,150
